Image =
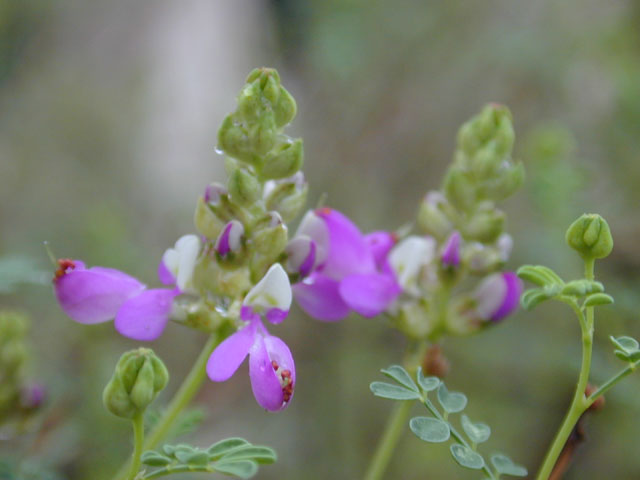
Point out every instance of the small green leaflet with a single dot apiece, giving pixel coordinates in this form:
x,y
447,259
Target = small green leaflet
x,y
393,392
430,429
505,466
452,402
477,432
466,457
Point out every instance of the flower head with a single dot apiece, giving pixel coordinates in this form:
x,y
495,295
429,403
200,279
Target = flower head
x,y
271,367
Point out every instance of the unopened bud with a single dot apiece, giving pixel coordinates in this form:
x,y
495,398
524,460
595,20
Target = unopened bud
x,y
262,136
138,378
207,218
284,161
301,256
590,236
491,129
288,197
450,255
244,187
432,218
230,239
233,139
459,189
485,225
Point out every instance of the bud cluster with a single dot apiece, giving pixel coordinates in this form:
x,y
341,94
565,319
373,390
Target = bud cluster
x,y
16,394
243,222
468,229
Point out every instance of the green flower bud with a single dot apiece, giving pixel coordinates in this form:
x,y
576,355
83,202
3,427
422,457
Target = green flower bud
x,y
287,197
233,139
244,187
485,225
229,280
283,162
492,129
590,236
432,217
206,221
459,189
506,182
262,135
285,108
268,243
138,378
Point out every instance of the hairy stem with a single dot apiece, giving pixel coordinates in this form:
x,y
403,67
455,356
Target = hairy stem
x,y
138,436
181,399
392,432
579,402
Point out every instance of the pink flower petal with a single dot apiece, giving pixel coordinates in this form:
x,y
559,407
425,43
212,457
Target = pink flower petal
x,y
451,251
369,294
380,243
227,357
164,275
511,298
265,383
94,295
348,251
319,297
145,316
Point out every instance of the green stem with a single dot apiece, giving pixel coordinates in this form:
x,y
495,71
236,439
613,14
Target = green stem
x,y
138,435
181,399
391,436
179,469
579,402
454,433
605,387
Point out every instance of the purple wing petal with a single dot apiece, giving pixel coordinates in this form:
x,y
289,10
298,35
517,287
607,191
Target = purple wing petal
x,y
511,297
94,295
379,244
265,383
369,294
228,356
144,316
348,251
164,275
319,297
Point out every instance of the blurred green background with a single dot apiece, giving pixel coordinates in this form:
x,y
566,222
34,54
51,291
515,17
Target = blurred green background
x,y
108,116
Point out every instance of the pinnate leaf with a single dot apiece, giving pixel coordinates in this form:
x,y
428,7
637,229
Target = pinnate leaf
x,y
505,466
393,392
466,457
452,402
400,375
477,432
430,429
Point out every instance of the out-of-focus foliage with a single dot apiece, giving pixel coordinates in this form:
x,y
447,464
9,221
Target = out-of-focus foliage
x,y
109,112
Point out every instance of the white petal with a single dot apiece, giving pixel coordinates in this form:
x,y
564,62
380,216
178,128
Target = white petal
x,y
181,259
489,295
315,228
409,256
272,291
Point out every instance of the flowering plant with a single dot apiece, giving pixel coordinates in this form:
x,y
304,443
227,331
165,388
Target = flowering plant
x,y
441,276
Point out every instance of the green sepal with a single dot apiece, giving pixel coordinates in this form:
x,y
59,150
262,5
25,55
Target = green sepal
x,y
466,457
505,466
430,429
598,299
392,392
400,375
452,402
477,432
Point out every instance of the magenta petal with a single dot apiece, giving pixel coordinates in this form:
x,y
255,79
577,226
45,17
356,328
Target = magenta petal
x,y
319,296
94,295
451,250
379,244
276,315
280,353
264,381
369,294
164,275
228,356
348,251
511,297
144,316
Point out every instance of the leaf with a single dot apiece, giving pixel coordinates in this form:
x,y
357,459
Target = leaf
x,y
401,376
256,453
531,298
393,392
452,402
477,432
598,299
466,457
154,459
628,345
580,288
191,455
222,447
539,275
505,466
242,468
430,429
427,384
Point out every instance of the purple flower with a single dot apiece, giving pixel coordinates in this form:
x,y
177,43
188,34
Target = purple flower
x,y
451,251
271,367
98,294
497,296
346,270
229,240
